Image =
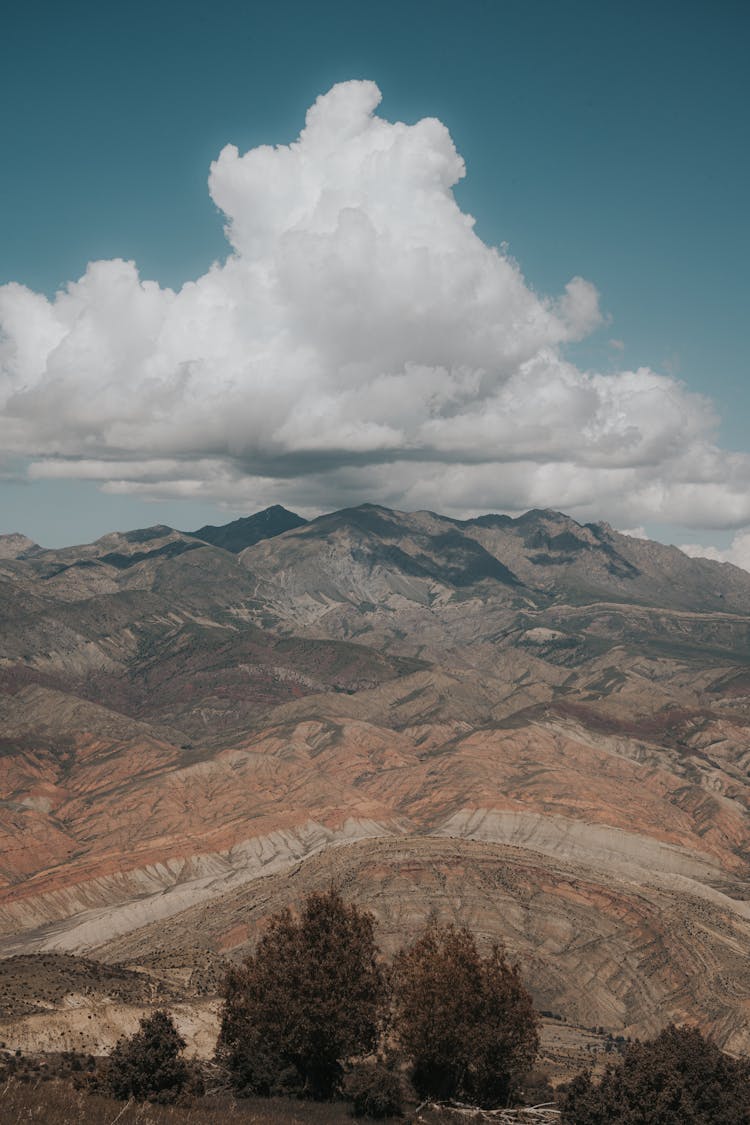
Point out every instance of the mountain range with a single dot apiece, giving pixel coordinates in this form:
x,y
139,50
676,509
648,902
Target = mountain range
x,y
532,726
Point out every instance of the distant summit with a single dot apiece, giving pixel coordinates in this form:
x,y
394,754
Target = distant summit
x,y
15,546
244,532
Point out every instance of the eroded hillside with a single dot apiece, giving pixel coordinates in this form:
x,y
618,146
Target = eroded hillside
x,y
538,728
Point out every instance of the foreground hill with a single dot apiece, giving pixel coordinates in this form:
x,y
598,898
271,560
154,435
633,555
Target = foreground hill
x,y
539,728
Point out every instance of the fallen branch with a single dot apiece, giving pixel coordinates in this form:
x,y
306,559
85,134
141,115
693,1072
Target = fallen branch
x,y
522,1115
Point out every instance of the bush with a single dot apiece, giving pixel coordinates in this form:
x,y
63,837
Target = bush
x,y
148,1066
375,1090
466,1021
535,1088
678,1078
312,996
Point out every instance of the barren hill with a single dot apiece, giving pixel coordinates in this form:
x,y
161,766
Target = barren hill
x,y
533,726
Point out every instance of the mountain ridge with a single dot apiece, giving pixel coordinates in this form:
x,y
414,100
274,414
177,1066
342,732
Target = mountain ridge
x,y
180,723
248,530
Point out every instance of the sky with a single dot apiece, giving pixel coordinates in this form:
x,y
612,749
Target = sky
x,y
467,258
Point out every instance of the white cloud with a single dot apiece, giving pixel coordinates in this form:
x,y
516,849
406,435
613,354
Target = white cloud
x,y
738,552
360,342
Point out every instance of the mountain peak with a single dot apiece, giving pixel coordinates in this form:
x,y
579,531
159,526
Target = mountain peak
x,y
247,530
14,545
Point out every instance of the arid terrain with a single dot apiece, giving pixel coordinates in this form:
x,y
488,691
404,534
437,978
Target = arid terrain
x,y
533,727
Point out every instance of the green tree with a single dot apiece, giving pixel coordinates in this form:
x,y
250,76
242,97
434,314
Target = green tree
x,y
677,1078
148,1066
466,1022
311,996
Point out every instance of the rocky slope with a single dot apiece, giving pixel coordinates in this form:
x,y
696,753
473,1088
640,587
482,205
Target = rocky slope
x,y
536,727
598,947
248,530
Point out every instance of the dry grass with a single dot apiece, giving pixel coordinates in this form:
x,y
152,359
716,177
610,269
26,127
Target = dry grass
x,y
57,1103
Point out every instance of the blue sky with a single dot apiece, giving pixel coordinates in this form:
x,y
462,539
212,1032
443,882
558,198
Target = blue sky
x,y
606,141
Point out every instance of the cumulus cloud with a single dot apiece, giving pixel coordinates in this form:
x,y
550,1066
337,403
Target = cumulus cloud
x,y
738,552
360,342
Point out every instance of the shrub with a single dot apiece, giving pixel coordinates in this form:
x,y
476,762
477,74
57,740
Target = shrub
x,y
466,1021
678,1078
311,997
535,1088
374,1089
148,1066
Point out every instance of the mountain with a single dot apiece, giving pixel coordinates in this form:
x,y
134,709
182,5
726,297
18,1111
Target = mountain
x,y
428,585
536,727
16,546
245,532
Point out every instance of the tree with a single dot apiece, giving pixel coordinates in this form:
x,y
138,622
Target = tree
x,y
148,1066
677,1078
466,1022
312,996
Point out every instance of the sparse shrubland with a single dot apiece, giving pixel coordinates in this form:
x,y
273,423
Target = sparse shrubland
x,y
677,1078
314,1014
314,997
